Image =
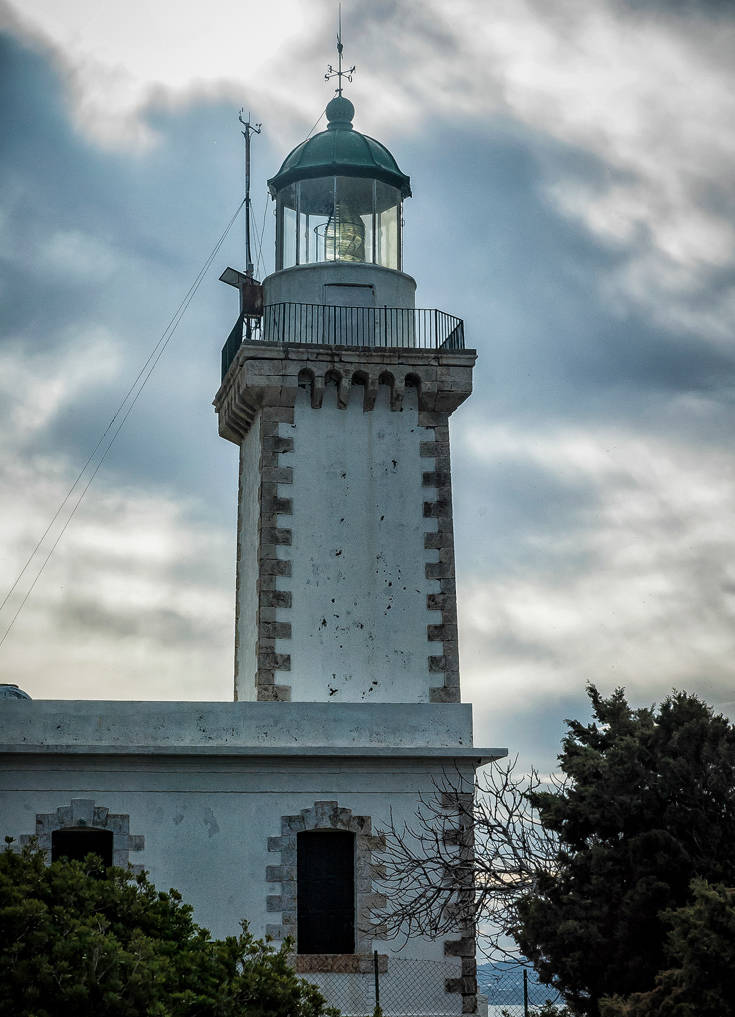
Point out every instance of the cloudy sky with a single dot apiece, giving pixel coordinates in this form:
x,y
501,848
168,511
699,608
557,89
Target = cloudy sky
x,y
572,164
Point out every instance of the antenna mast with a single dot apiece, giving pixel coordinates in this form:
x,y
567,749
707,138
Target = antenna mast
x,y
249,129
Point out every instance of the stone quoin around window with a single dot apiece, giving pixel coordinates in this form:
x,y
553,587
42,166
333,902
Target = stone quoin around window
x,y
84,814
327,817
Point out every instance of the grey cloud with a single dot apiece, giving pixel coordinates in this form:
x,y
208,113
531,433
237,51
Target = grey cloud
x,y
161,212
80,617
714,8
530,288
511,502
487,241
532,730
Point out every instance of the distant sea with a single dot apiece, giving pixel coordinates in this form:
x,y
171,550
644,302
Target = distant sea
x,y
502,983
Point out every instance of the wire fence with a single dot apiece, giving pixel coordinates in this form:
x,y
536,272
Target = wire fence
x,y
418,987
401,986
513,991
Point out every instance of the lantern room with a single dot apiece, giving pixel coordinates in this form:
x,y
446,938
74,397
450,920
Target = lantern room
x,y
339,198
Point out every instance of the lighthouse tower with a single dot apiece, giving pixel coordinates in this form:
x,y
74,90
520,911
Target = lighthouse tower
x,y
278,808
340,409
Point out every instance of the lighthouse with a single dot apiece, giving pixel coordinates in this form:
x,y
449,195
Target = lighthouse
x,y
277,807
340,409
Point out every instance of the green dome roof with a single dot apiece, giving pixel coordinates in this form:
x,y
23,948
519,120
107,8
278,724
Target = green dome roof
x,y
340,151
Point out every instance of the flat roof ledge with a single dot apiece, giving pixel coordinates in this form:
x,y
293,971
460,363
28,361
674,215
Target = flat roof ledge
x,y
242,728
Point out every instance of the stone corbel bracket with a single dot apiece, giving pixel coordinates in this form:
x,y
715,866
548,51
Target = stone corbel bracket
x,y
268,374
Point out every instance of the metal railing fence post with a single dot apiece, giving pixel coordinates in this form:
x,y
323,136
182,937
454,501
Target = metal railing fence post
x,y
377,979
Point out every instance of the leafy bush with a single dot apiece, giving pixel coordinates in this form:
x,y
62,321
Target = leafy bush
x,y
76,938
648,806
699,979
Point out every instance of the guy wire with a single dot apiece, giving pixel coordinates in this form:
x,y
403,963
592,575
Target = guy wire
x,y
155,355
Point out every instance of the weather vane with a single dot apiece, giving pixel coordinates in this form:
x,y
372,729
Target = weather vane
x,y
339,73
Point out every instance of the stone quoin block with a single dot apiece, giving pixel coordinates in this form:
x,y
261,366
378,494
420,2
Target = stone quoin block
x,y
275,535
282,506
275,567
268,660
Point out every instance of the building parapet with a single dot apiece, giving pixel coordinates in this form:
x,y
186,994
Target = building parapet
x,y
246,728
270,374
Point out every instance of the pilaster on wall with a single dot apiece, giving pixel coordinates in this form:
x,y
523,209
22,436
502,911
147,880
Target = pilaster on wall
x,y
460,804
446,662
265,379
271,566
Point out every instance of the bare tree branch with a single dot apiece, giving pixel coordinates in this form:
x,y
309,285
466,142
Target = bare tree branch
x,y
471,852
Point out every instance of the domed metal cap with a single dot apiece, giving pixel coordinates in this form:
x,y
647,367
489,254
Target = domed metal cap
x,y
12,692
340,112
340,151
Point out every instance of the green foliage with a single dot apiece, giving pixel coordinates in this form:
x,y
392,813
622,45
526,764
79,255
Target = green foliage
x,y
648,806
78,939
700,951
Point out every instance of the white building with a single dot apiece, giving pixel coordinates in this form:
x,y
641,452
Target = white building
x,y
347,696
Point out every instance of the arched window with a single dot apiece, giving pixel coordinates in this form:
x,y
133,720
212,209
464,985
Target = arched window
x,y
325,881
327,898
81,827
75,843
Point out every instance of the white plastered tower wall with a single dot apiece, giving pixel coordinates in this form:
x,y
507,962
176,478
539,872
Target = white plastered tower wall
x,y
349,517
359,621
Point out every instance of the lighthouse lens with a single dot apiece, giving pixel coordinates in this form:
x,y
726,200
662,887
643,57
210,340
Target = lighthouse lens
x,y
345,235
352,219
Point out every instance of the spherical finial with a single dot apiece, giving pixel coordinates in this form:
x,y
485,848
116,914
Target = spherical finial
x,y
340,112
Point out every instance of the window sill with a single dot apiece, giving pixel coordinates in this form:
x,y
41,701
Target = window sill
x,y
338,963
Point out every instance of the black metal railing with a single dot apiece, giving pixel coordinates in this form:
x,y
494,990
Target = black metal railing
x,y
233,344
329,325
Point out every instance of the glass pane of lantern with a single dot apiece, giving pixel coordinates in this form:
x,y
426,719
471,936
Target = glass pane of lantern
x,y
367,222
388,209
305,242
287,226
316,205
348,235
